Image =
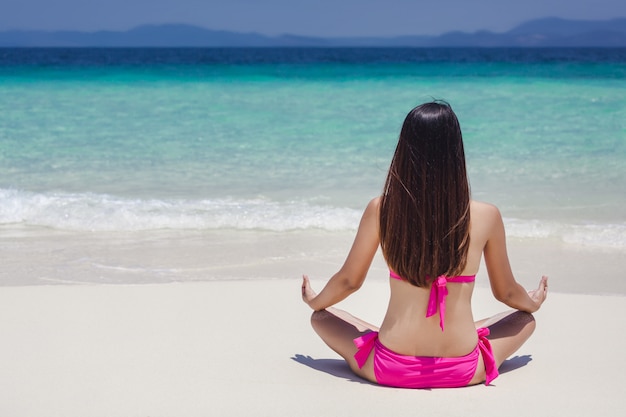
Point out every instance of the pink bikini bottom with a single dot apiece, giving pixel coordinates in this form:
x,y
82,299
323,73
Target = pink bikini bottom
x,y
403,371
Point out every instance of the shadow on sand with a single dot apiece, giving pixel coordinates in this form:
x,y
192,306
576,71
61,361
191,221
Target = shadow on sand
x,y
339,368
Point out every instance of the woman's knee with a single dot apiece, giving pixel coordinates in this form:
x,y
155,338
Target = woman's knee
x,y
319,319
525,321
514,324
531,323
318,315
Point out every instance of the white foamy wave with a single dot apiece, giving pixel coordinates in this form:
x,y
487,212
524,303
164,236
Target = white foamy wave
x,y
605,235
97,212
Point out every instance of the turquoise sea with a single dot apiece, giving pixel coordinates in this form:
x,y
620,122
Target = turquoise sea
x,y
299,139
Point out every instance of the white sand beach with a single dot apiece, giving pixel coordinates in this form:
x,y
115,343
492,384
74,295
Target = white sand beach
x,y
245,348
236,347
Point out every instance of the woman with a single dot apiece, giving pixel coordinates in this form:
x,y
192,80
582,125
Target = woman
x,y
432,237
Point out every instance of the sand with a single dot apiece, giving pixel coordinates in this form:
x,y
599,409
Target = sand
x,y
243,346
36,256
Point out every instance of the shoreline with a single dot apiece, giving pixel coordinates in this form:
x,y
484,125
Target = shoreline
x,y
40,256
200,323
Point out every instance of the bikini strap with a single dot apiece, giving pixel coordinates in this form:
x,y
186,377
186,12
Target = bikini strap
x,y
438,293
437,299
364,345
491,370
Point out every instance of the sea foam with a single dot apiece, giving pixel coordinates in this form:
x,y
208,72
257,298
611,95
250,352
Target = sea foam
x,y
101,212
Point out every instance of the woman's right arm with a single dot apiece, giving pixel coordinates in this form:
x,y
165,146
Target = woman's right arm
x,y
503,284
354,270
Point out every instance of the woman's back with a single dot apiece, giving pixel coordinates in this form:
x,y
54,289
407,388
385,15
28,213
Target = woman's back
x,y
407,330
428,229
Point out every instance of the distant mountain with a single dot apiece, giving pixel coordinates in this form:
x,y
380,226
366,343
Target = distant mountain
x,y
548,32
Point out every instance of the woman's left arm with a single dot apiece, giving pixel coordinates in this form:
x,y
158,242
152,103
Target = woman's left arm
x,y
354,270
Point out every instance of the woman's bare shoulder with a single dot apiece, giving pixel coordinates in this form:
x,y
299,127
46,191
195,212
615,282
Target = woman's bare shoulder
x,y
374,202
371,212
482,208
373,207
484,215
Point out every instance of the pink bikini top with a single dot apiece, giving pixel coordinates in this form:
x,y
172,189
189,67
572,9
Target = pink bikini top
x,y
438,293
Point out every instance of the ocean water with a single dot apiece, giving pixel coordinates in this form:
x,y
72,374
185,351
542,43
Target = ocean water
x,y
300,139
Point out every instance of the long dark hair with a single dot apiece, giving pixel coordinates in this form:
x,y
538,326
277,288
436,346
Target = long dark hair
x,y
424,209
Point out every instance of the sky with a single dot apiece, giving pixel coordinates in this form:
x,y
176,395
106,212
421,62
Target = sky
x,y
324,18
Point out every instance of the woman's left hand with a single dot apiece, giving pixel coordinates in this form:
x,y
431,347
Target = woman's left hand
x,y
307,292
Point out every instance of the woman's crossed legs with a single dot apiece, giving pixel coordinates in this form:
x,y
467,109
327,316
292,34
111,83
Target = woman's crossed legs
x,y
338,329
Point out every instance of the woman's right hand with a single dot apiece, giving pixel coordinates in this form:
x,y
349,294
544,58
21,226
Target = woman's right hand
x,y
307,292
539,295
